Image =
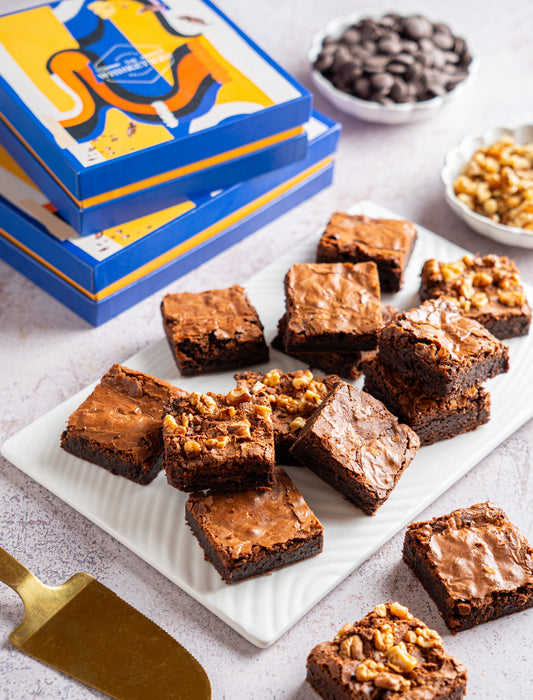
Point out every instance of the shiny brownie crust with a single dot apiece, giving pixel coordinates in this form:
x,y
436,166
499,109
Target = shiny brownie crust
x,y
484,548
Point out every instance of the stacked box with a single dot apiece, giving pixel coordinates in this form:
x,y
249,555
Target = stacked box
x,y
102,274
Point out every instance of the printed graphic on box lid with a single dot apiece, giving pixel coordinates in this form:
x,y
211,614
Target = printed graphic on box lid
x,y
111,77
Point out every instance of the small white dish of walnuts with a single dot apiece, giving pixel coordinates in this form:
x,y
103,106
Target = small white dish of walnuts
x,y
488,182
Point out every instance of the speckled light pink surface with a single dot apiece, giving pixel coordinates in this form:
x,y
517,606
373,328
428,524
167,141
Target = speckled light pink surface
x,y
47,353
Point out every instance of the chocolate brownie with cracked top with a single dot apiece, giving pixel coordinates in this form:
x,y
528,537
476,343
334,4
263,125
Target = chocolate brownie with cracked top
x,y
344,364
218,442
118,426
332,307
488,289
474,563
389,655
387,242
444,350
357,446
248,533
431,418
213,330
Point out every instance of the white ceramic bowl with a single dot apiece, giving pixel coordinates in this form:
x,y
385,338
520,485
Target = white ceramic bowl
x,y
454,163
374,111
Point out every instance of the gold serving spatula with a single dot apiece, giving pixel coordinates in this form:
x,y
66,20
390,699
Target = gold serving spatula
x,y
85,630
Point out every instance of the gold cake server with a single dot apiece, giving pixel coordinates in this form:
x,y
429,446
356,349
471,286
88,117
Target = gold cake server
x,y
85,630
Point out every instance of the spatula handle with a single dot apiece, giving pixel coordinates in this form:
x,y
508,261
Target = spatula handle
x,y
13,573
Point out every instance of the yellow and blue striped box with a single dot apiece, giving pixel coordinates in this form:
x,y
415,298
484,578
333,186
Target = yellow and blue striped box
x,y
102,274
117,98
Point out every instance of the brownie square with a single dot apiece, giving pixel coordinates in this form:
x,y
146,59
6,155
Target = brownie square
x,y
214,330
474,563
332,307
293,396
447,352
118,426
488,289
388,654
357,446
247,533
344,364
386,242
431,418
218,442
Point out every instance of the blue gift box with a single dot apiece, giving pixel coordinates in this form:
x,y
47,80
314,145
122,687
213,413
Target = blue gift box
x,y
125,105
103,274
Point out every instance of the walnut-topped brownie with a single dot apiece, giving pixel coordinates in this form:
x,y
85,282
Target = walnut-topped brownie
x,y
248,533
357,446
344,364
213,330
488,289
432,418
474,563
388,654
386,242
118,426
446,351
293,397
218,442
332,307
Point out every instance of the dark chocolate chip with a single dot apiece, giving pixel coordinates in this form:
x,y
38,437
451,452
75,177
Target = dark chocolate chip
x,y
324,61
381,82
389,46
397,68
414,71
399,91
351,36
362,87
443,40
417,27
376,64
406,58
409,46
451,56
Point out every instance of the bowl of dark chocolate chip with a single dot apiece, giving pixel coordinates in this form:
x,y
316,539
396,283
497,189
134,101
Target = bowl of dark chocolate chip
x,y
390,69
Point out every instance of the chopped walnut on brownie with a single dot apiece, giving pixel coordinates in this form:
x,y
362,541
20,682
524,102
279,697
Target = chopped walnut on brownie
x,y
488,289
387,654
218,442
293,396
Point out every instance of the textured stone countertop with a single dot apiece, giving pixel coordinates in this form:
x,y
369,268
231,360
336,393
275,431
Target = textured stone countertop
x,y
47,353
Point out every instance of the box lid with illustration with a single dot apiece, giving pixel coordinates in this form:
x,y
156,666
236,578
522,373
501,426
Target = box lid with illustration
x,y
116,95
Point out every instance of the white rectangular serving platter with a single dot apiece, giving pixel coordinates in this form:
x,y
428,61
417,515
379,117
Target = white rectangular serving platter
x,y
150,520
